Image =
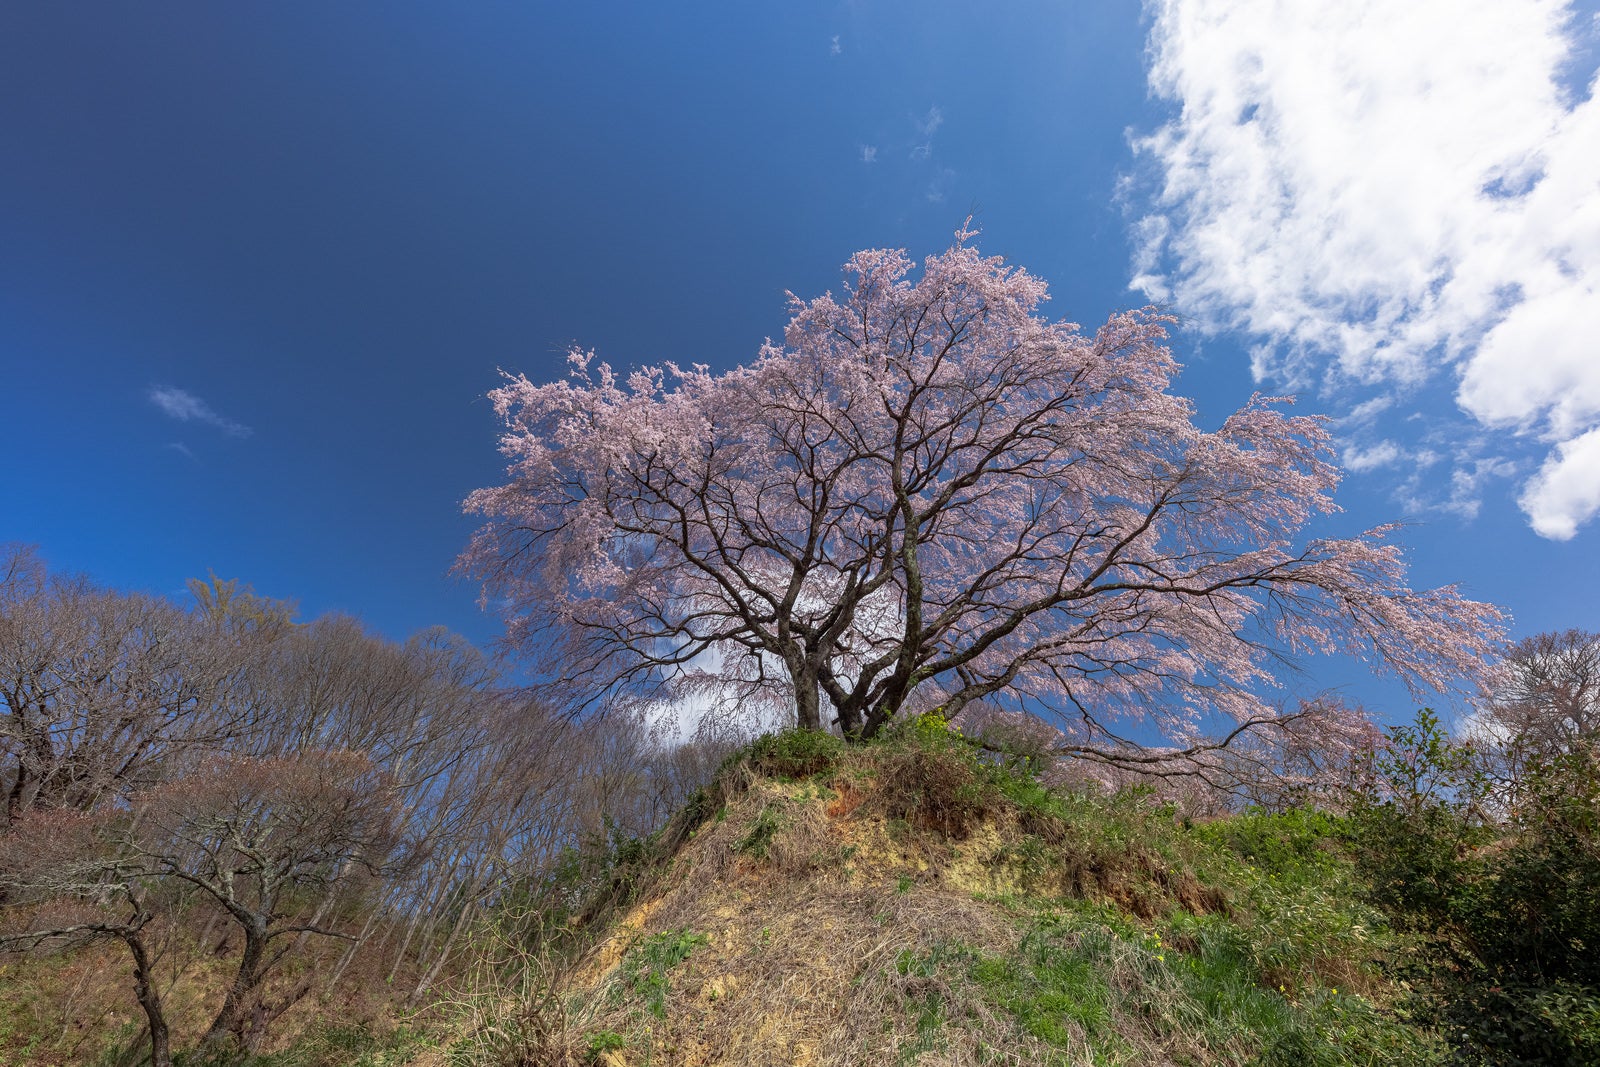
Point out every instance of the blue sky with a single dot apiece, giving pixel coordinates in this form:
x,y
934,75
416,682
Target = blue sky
x,y
260,263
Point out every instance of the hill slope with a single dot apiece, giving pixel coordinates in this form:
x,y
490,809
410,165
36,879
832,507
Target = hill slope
x,y
911,902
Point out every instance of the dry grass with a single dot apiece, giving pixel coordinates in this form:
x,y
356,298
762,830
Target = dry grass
x,y
812,895
77,1006
896,908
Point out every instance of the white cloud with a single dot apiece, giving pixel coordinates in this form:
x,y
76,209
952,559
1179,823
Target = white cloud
x,y
186,407
1368,410
1391,194
1566,491
834,48
1382,454
869,153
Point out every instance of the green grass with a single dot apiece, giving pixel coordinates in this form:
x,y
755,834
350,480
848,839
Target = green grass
x,y
757,841
646,966
1079,979
794,753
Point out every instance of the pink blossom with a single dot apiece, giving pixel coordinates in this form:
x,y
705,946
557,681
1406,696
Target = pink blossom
x,y
929,488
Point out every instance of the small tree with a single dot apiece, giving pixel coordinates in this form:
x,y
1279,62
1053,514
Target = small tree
x,y
930,489
77,886
264,840
1418,819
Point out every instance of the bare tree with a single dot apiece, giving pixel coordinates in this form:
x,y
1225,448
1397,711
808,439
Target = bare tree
x,y
1543,701
75,885
99,690
261,838
221,763
1548,691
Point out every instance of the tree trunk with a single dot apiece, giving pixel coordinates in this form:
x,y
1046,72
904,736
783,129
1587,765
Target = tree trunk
x,y
144,988
350,952
468,906
14,797
234,1018
876,718
807,696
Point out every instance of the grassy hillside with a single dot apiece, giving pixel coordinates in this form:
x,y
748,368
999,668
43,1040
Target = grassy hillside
x,y
913,901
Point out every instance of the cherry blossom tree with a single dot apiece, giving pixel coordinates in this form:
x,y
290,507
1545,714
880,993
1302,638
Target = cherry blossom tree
x,y
929,494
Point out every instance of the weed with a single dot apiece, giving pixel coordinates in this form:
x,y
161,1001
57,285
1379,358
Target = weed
x,y
512,1007
646,965
1298,845
1075,978
605,1041
757,841
935,788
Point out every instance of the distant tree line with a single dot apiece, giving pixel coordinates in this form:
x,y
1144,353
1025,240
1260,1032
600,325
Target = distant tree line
x,y
218,777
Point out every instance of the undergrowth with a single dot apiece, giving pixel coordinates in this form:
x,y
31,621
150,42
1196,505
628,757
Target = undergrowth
x,y
1133,934
815,890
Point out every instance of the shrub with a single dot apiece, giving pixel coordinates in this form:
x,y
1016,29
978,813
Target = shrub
x,y
1538,918
935,786
795,753
1413,835
1524,1023
1293,844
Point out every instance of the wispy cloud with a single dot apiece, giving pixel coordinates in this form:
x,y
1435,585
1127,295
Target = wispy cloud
x,y
1392,197
181,449
186,407
926,127
869,153
834,48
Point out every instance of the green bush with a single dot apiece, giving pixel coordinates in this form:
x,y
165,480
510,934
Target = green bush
x,y
1414,838
795,753
1523,1023
1300,844
1535,914
1512,910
